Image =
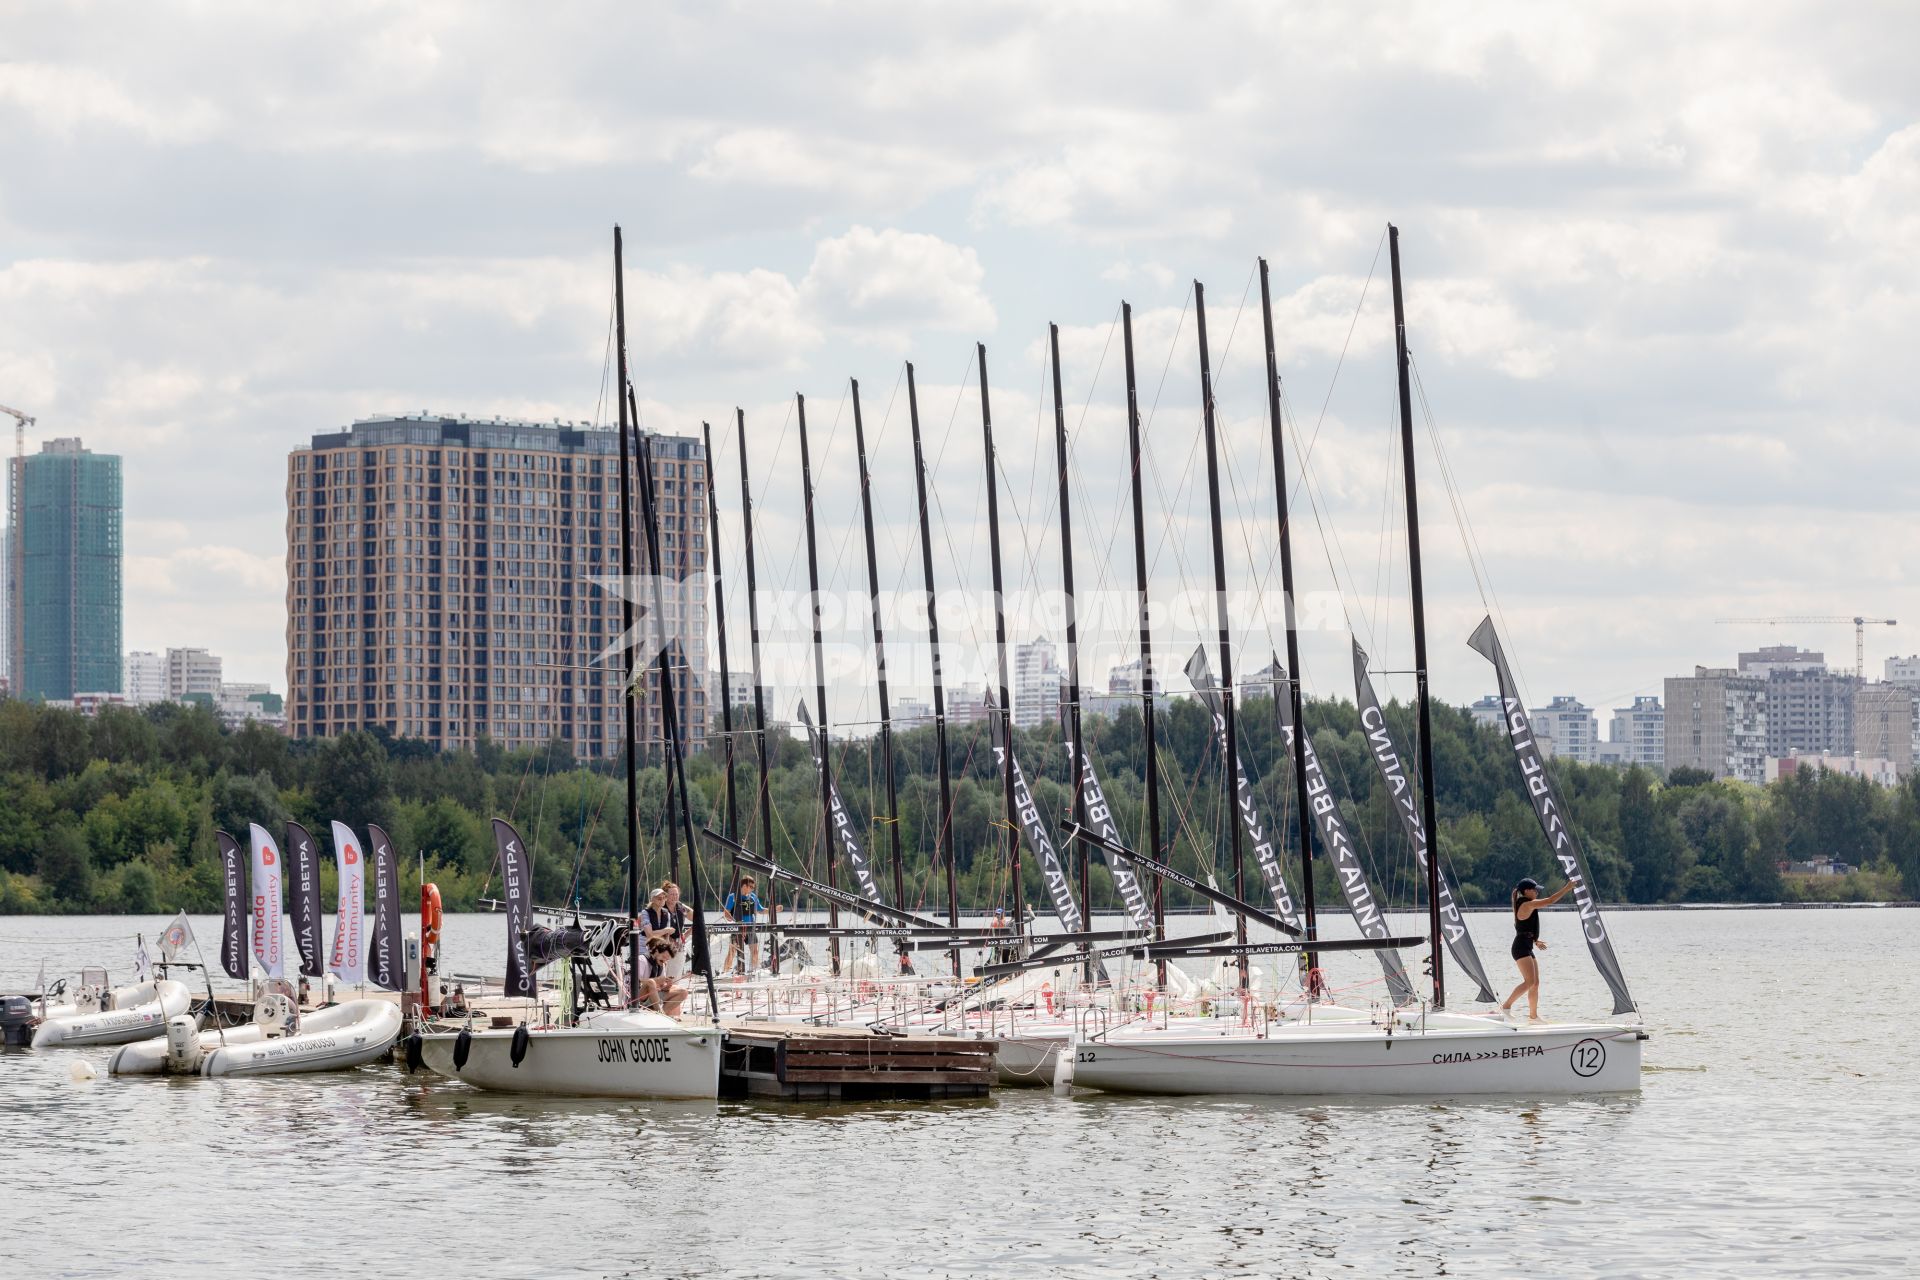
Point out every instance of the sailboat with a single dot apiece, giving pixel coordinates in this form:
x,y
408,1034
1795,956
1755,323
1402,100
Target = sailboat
x,y
606,1051
1409,1050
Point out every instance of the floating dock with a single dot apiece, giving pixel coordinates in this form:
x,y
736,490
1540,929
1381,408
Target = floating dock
x,y
845,1064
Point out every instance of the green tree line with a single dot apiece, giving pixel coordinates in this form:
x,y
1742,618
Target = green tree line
x,y
117,812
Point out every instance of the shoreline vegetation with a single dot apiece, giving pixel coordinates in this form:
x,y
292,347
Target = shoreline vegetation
x,y
115,813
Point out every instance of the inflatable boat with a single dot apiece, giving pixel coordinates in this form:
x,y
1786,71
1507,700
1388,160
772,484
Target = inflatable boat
x,y
276,1042
118,1016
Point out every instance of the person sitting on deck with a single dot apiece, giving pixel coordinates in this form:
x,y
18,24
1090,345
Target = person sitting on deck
x,y
657,986
743,908
668,920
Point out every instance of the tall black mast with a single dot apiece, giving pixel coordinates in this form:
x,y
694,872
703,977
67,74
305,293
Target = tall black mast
x,y
720,620
1005,709
1419,629
650,521
819,683
765,797
942,840
626,610
1232,762
879,654
1146,634
1079,748
1293,695
676,756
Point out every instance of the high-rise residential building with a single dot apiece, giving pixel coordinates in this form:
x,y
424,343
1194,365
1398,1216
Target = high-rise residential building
x,y
967,704
441,583
1883,724
1260,684
1716,720
193,673
1569,726
1640,732
1768,659
64,591
1904,671
145,678
1124,679
1036,684
1810,711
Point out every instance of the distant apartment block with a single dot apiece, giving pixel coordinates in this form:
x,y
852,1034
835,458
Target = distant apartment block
x,y
1489,712
1037,679
1640,733
1904,671
440,583
145,677
1569,726
193,673
1768,659
1880,772
1716,720
911,712
1883,724
1810,710
64,588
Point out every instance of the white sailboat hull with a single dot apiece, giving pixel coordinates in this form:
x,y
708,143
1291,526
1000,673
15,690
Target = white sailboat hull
x,y
141,1013
621,1055
1321,1061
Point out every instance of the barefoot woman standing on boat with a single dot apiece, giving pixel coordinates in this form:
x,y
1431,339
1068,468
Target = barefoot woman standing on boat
x,y
1527,903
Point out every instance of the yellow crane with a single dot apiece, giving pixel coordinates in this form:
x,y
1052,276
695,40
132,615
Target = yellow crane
x,y
21,421
1860,625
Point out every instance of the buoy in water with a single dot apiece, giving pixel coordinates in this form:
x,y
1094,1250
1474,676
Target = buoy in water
x,y
81,1071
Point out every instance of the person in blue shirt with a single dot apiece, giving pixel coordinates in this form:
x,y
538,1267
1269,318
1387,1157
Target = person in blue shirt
x,y
743,908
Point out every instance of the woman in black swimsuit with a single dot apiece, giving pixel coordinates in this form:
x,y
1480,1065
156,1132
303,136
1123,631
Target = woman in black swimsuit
x,y
1527,903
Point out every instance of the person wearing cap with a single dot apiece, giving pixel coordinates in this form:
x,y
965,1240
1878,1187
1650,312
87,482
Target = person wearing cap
x,y
1527,903
743,908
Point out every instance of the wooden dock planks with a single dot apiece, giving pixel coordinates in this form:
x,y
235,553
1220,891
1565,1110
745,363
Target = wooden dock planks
x,y
842,1064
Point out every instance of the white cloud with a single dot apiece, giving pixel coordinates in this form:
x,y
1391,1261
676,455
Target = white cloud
x,y
899,278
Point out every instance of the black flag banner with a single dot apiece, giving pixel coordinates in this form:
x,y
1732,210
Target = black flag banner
x,y
385,968
1264,853
233,915
1552,813
516,879
1390,763
1052,869
1126,879
842,821
304,903
1347,868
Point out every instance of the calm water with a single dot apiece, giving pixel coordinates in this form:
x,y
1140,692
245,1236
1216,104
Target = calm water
x,y
1774,1136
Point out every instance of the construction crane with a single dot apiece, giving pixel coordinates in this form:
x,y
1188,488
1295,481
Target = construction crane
x,y
1860,626
21,421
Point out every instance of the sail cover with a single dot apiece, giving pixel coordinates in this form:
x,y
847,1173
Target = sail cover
x,y
233,916
1052,869
269,935
1552,813
1347,867
516,880
1264,853
1126,879
1388,760
303,903
349,958
840,820
384,966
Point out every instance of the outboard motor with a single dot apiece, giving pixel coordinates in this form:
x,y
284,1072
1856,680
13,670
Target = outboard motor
x,y
184,1054
16,1021
276,1012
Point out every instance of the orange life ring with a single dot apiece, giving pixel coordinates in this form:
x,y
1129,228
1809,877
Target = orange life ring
x,y
429,916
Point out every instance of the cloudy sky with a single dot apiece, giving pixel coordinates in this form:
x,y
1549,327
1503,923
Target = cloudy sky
x,y
1661,267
